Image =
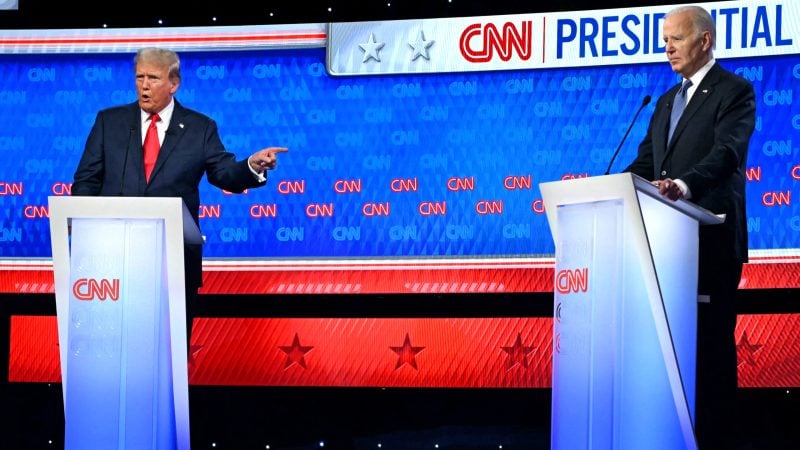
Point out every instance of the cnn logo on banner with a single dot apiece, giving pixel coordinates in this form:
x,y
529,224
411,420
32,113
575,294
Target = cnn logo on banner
x,y
569,281
90,289
490,39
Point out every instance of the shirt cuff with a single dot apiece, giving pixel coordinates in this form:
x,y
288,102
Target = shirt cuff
x,y
687,194
259,176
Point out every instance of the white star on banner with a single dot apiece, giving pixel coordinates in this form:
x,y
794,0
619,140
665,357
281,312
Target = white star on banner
x,y
371,49
420,46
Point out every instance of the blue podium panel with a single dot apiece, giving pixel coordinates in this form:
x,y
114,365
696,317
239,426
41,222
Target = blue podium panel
x,y
647,415
587,341
118,337
673,240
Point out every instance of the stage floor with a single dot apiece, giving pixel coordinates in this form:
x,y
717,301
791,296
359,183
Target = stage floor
x,y
349,418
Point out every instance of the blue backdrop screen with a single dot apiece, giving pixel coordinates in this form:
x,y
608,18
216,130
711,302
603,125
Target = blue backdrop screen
x,y
384,166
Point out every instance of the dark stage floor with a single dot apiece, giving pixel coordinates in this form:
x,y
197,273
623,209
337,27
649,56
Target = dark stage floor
x,y
313,418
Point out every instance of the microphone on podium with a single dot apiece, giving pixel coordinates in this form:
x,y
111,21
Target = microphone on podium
x,y
645,102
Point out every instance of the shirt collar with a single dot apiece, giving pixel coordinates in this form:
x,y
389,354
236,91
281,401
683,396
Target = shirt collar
x,y
702,72
165,114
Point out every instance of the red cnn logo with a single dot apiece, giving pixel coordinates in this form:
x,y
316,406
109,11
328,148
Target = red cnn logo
x,y
572,281
90,289
490,39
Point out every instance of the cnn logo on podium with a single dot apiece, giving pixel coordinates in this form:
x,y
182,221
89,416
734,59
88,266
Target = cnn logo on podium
x,y
568,281
96,289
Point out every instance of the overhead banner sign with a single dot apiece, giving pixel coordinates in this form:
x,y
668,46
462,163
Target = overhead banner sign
x,y
550,40
129,40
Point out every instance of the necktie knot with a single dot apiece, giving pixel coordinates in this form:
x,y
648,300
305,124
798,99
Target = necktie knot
x,y
684,88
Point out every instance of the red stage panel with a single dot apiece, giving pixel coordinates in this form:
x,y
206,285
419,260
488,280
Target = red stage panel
x,y
396,280
476,353
258,277
33,353
421,352
774,274
768,349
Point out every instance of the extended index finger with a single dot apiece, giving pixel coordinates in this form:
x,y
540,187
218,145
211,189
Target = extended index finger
x,y
279,149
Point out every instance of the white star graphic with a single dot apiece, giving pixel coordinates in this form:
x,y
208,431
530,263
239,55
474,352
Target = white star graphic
x,y
371,49
420,46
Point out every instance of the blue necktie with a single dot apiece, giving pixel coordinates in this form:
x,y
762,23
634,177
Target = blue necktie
x,y
677,108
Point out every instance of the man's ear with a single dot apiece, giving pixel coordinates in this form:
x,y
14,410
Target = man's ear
x,y
706,40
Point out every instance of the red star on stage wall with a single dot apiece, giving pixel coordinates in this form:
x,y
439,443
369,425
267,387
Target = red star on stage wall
x,y
745,351
517,353
295,353
407,354
193,351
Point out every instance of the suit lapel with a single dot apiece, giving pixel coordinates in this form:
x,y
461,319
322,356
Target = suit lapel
x,y
662,129
703,92
174,133
135,161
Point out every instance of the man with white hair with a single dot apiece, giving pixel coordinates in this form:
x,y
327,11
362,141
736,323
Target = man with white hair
x,y
696,149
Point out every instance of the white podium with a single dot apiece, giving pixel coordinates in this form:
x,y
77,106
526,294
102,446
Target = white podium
x,y
625,326
120,302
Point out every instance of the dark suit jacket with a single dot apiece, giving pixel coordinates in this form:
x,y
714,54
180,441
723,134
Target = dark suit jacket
x,y
708,151
112,164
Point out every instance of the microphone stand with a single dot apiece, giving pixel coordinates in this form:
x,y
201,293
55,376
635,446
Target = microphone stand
x,y
645,102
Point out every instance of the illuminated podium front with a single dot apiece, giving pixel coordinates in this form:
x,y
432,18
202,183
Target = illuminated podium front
x,y
120,303
625,325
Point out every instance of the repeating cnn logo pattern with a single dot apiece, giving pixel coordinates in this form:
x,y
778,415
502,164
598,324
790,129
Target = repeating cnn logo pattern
x,y
349,193
92,289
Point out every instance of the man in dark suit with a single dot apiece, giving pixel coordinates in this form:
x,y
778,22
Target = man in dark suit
x,y
700,155
185,146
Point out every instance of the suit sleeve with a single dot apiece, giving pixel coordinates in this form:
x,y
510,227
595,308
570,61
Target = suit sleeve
x,y
222,168
734,123
88,178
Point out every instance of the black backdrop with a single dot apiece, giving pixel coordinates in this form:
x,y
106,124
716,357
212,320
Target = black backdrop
x,y
174,13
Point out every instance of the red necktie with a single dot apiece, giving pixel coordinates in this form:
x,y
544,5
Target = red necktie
x,y
151,147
